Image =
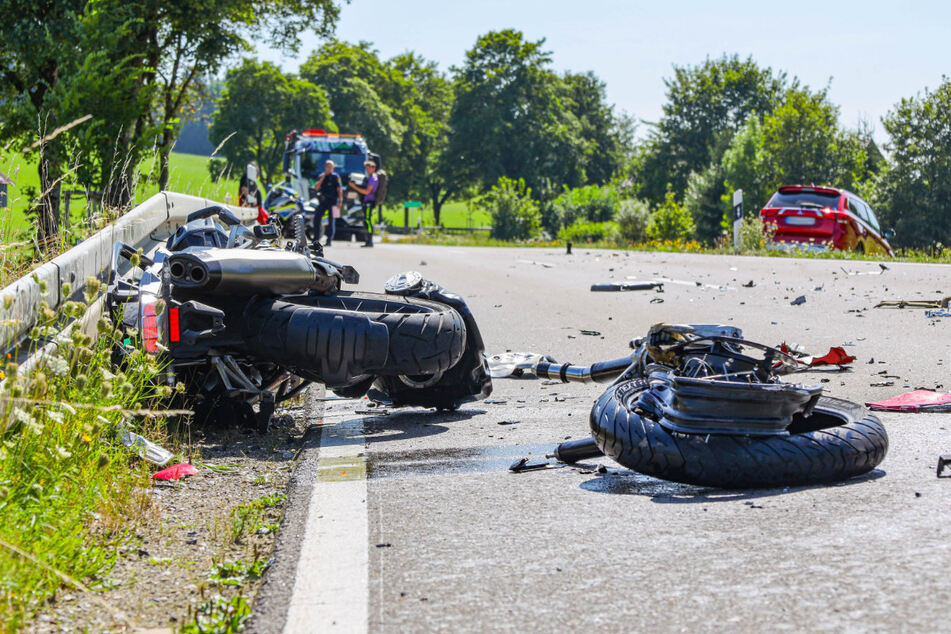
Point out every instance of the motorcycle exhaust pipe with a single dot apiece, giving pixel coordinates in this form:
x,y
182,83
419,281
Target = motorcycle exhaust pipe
x,y
600,372
241,271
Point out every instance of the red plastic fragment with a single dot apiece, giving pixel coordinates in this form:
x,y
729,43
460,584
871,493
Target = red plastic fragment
x,y
262,215
835,356
916,401
175,472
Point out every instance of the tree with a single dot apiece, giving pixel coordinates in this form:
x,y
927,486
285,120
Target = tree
x,y
608,137
515,215
361,90
184,40
424,100
39,39
703,103
511,117
670,221
913,192
259,105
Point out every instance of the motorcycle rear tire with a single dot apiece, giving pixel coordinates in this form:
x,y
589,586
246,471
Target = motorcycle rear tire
x,y
839,441
335,339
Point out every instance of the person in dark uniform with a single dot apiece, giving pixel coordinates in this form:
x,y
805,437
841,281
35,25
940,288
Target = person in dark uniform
x,y
369,198
329,195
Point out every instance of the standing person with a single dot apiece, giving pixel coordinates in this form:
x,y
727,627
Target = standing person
x,y
329,195
248,193
369,198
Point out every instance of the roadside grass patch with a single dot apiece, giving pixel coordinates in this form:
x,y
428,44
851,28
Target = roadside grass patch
x,y
218,615
248,518
70,493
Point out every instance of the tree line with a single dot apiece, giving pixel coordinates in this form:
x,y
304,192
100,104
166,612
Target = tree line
x,y
506,125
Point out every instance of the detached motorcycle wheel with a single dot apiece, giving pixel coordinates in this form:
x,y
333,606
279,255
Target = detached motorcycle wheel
x,y
336,339
840,440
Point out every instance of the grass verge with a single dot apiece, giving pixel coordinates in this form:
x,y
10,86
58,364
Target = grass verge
x,y
70,492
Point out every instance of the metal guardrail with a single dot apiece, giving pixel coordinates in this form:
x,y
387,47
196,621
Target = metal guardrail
x,y
143,227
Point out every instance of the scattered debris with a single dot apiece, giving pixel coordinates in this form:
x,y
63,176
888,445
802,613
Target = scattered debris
x,y
915,401
508,364
835,356
590,333
882,384
657,300
944,461
495,401
547,265
915,303
372,412
175,472
384,545
625,286
508,422
522,464
943,312
881,269
799,300
749,284
146,449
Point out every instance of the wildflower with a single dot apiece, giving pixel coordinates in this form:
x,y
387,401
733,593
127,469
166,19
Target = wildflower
x,y
91,292
86,438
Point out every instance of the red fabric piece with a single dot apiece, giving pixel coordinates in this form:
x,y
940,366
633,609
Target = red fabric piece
x,y
913,402
175,472
835,356
262,215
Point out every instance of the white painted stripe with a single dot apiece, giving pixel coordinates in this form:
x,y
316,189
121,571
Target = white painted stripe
x,y
331,588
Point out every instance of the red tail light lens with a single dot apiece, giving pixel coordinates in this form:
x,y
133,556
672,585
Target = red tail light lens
x,y
173,331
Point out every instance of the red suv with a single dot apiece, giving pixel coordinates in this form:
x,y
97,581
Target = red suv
x,y
824,218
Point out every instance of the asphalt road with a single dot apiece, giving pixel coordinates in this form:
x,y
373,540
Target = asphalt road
x,y
455,542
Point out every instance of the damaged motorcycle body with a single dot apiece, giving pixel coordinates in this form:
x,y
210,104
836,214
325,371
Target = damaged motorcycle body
x,y
246,319
693,405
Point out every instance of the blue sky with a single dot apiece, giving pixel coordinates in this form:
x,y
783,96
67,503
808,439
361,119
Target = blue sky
x,y
871,54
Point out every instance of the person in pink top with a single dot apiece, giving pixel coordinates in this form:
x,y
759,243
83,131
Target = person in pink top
x,y
369,198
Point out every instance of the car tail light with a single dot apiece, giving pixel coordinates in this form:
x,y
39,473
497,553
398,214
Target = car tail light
x,y
149,320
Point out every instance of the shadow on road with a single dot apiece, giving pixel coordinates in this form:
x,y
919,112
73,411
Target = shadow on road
x,y
662,492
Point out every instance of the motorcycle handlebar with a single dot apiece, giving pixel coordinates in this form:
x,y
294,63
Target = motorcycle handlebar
x,y
600,372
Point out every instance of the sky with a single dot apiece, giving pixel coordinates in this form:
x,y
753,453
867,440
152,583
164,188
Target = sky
x,y
870,54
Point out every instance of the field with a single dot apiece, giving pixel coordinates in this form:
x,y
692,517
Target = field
x,y
188,175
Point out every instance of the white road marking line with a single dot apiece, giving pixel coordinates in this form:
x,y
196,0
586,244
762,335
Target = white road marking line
x,y
331,591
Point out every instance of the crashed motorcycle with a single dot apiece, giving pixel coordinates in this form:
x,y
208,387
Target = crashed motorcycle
x,y
699,404
246,318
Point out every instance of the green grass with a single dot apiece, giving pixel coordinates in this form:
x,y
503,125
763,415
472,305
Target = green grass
x,y
453,214
188,174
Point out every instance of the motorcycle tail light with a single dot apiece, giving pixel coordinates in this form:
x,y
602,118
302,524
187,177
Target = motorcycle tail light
x,y
173,329
149,321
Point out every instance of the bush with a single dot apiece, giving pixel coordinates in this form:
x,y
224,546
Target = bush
x,y
590,203
515,216
671,221
754,236
589,232
632,219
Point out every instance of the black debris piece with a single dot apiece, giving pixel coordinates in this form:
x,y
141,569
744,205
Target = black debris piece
x,y
749,284
944,461
799,300
626,286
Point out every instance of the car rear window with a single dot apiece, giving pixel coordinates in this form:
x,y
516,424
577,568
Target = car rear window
x,y
818,200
